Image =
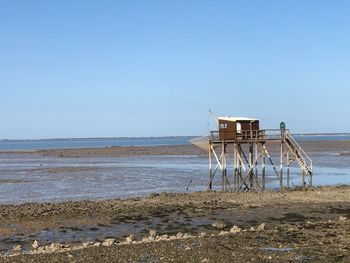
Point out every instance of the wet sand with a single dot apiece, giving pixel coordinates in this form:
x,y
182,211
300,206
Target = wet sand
x,y
307,226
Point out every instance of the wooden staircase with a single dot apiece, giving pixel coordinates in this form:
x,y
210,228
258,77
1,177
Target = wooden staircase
x,y
299,154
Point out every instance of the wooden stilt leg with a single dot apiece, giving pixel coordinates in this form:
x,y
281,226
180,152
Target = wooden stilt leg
x,y
234,167
223,167
288,173
210,169
263,164
281,167
256,167
310,181
251,182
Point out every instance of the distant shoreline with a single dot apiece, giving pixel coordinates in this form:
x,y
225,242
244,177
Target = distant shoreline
x,y
334,146
91,143
151,137
96,138
323,134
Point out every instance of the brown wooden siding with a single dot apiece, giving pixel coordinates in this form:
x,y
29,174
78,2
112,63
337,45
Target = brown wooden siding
x,y
230,133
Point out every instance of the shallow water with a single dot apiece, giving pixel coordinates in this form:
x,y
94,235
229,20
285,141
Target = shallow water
x,y
34,178
16,145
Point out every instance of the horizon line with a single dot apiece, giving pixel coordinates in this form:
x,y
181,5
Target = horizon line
x,y
151,137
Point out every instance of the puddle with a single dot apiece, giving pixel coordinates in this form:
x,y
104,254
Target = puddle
x,y
303,258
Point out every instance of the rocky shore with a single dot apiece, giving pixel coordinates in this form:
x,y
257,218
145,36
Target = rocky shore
x,y
296,226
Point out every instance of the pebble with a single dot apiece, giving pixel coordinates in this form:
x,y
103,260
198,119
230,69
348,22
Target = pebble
x,y
108,242
186,236
342,218
130,239
179,235
17,248
173,238
35,244
235,229
164,237
219,224
261,227
53,247
152,233
222,233
145,239
87,244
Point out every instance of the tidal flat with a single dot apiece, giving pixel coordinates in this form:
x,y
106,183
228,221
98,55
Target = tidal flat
x,y
130,204
306,226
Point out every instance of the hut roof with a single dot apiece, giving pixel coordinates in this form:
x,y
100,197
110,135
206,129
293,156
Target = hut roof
x,y
228,118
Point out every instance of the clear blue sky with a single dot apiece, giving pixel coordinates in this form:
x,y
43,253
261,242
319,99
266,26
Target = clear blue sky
x,y
152,68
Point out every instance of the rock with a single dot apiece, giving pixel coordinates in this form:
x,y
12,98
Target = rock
x,y
163,237
35,244
152,233
87,244
218,224
186,236
179,235
342,218
41,250
222,233
53,247
203,234
130,239
108,242
235,230
145,239
252,229
261,227
17,248
96,244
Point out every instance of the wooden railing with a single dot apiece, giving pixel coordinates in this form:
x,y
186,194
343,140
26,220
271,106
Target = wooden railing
x,y
249,134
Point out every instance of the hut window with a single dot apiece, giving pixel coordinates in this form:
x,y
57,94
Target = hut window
x,y
223,125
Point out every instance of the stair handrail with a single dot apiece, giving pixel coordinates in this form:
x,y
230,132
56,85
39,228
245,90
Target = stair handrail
x,y
303,153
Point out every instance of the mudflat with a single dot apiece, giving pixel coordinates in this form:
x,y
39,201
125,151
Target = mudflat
x,y
338,146
296,226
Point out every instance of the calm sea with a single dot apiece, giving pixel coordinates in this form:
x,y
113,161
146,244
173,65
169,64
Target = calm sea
x,y
135,141
91,143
